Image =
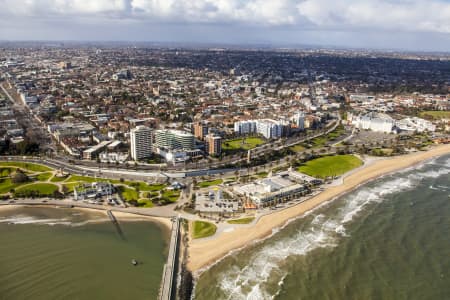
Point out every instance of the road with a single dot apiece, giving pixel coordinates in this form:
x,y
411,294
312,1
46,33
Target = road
x,y
30,122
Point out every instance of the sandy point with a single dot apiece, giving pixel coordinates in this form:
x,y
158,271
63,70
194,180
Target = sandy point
x,y
205,252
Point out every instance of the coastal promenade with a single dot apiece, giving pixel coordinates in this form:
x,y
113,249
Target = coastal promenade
x,y
203,252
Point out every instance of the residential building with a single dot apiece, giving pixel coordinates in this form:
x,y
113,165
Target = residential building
x,y
141,142
201,130
299,120
214,144
270,129
174,139
245,127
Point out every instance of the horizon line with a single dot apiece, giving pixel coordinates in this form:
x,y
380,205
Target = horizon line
x,y
236,45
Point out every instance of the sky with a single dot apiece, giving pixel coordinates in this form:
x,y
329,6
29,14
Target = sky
x,y
422,25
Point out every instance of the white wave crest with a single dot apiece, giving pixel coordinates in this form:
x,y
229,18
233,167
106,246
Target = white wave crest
x,y
324,231
24,219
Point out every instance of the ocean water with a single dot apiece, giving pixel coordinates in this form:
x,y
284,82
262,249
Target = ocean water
x,y
388,239
50,253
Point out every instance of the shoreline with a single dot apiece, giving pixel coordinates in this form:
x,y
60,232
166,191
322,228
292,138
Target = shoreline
x,y
204,253
165,223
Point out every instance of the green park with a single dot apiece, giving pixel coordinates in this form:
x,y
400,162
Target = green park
x,y
20,179
330,166
202,229
245,143
435,114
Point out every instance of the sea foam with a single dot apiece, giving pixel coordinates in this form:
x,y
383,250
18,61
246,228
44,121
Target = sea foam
x,y
266,263
25,219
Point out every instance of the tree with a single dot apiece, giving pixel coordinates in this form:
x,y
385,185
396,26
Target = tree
x,y
19,177
65,189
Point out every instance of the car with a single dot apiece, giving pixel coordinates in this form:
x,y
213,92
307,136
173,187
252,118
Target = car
x,y
12,201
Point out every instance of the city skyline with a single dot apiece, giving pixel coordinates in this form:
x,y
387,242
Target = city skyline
x,y
407,25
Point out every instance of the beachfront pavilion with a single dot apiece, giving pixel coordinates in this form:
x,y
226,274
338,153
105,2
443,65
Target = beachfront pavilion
x,y
273,190
281,196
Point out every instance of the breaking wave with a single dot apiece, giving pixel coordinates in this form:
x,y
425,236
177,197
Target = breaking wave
x,y
266,264
24,219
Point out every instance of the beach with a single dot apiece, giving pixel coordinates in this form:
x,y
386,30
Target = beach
x,y
101,214
207,251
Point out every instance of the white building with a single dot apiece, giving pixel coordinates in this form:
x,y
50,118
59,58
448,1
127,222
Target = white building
x,y
270,129
275,188
141,142
93,190
299,120
415,124
178,156
174,139
245,127
377,122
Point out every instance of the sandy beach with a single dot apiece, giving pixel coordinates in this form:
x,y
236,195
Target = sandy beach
x,y
204,252
121,216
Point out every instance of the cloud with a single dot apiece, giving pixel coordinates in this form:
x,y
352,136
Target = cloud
x,y
337,15
421,15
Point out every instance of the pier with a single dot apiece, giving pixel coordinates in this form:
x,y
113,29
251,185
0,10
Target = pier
x,y
116,224
169,281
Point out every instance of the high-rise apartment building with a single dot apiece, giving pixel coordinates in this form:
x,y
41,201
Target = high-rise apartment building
x,y
200,130
299,120
174,139
270,129
213,144
141,142
245,127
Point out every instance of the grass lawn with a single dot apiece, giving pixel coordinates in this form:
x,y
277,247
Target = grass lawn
x,y
39,188
262,174
318,142
436,114
241,221
136,184
151,195
201,229
336,133
322,140
170,195
27,166
58,179
4,172
86,179
6,185
330,165
205,184
297,148
145,203
128,194
71,186
145,187
242,143
44,176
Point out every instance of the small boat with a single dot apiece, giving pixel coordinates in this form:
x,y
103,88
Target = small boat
x,y
134,262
